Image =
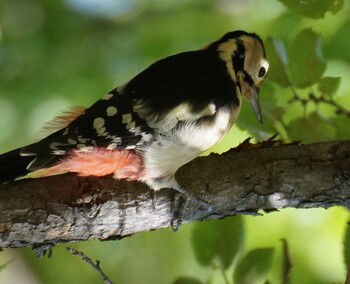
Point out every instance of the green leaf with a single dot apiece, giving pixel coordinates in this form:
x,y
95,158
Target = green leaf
x,y
220,239
312,128
337,47
314,8
254,266
328,85
287,21
187,280
277,57
341,125
306,63
347,246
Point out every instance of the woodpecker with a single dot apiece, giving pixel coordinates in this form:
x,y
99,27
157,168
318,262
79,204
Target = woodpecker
x,y
161,119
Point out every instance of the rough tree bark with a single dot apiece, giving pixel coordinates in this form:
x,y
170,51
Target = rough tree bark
x,y
66,208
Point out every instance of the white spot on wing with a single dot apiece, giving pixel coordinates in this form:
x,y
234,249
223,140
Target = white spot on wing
x,y
107,97
130,147
56,145
85,149
111,111
81,139
101,131
112,146
115,139
136,130
71,141
126,118
99,123
146,137
59,152
130,125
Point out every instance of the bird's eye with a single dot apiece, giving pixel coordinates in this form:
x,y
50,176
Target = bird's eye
x,y
262,72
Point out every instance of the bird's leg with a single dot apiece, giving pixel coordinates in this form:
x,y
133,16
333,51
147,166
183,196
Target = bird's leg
x,y
181,201
179,205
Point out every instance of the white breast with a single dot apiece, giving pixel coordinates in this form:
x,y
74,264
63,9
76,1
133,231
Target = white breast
x,y
174,149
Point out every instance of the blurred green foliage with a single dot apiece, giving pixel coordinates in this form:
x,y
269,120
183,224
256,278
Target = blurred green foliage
x,y
209,246
56,54
254,266
313,8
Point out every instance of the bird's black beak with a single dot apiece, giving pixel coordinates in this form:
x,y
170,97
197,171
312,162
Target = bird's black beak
x,y
251,92
253,98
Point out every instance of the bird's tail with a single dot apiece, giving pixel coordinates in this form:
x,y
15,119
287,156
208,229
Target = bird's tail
x,y
13,165
123,164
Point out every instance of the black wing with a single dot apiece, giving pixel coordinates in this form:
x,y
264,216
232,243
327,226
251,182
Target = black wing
x,y
109,123
183,87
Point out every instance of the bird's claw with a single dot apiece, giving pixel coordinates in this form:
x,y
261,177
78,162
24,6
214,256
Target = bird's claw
x,y
181,202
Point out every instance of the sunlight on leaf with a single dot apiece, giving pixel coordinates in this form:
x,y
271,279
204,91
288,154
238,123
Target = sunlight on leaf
x,y
329,85
313,8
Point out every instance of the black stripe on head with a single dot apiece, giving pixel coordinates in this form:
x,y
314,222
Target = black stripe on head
x,y
227,37
235,35
247,78
238,34
239,56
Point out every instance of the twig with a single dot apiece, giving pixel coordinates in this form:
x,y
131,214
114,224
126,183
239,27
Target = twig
x,y
347,279
287,263
331,102
223,272
317,100
89,261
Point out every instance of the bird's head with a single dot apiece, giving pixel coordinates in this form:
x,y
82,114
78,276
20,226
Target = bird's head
x,y
245,58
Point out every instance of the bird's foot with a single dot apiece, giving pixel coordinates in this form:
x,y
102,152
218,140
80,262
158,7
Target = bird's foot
x,y
183,200
181,203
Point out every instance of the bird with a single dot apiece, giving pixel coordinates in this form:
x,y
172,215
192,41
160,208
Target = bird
x,y
161,119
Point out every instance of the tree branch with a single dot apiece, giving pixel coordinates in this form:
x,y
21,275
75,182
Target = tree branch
x,y
89,261
44,212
